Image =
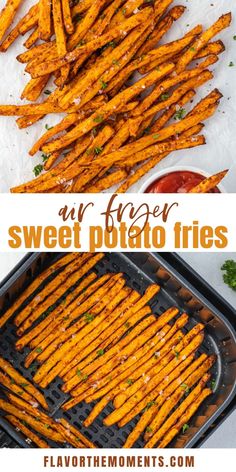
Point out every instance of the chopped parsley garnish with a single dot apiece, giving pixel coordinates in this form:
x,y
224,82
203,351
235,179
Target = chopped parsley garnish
x,y
192,49
115,62
213,384
46,426
45,157
23,385
103,84
129,381
164,96
231,64
20,392
98,149
176,354
149,429
13,381
47,92
48,127
38,350
81,43
230,273
156,136
185,427
37,169
234,37
88,317
127,324
180,114
100,352
98,119
149,405
85,376
79,373
185,387
65,318
123,11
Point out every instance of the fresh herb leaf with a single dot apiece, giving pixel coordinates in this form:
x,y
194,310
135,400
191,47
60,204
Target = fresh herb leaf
x,y
98,149
47,92
213,384
45,157
127,324
100,352
192,49
234,37
115,62
23,385
180,114
123,11
149,429
164,96
103,84
176,354
129,381
48,127
81,43
37,169
98,119
38,350
65,318
20,392
230,273
231,64
150,404
155,136
79,373
13,381
185,387
88,317
46,426
185,427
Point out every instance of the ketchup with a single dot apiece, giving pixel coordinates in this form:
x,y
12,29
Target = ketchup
x,y
177,182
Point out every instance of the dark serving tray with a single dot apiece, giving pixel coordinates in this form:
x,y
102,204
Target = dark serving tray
x,y
180,286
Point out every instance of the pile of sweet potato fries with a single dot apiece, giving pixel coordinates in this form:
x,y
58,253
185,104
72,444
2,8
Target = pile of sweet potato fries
x,y
112,131
103,340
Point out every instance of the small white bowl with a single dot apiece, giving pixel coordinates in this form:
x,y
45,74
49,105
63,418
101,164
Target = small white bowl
x,y
169,170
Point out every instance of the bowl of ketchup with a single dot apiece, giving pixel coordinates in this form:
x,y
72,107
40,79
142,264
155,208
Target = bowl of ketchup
x,y
177,180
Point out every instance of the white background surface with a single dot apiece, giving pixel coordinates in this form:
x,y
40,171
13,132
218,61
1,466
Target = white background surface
x,y
219,153
208,266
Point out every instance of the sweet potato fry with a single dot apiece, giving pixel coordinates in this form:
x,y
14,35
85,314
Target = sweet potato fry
x,y
7,15
209,183
185,418
67,16
86,23
77,433
15,32
32,39
27,432
33,89
28,313
38,426
45,29
201,365
34,286
101,308
10,384
22,382
223,22
137,402
43,329
92,46
178,412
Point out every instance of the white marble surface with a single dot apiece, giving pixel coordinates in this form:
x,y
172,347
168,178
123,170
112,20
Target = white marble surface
x,y
208,266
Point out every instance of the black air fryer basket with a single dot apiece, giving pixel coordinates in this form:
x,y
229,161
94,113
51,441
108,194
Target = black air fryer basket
x,y
181,287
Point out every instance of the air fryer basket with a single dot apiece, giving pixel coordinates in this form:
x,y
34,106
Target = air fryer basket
x,y
140,269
